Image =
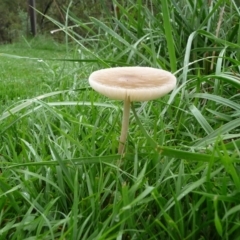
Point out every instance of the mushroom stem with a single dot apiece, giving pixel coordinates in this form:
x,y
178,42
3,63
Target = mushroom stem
x,y
125,124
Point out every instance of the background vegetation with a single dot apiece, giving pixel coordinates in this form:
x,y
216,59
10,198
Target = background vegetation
x,y
15,22
179,179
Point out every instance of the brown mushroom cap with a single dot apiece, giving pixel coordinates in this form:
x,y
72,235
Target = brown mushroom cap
x,y
135,83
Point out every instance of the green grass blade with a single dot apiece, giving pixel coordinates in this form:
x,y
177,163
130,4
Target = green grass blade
x,y
168,34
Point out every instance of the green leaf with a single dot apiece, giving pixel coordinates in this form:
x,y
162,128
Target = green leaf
x,y
168,34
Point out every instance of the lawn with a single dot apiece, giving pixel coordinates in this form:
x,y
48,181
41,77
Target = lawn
x,y
179,178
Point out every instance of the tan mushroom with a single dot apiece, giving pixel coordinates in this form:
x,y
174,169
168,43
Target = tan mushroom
x,y
131,84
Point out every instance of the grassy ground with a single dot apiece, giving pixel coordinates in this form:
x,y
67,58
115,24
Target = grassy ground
x,y
61,176
26,72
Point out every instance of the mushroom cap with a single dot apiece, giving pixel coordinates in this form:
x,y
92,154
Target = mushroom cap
x,y
135,83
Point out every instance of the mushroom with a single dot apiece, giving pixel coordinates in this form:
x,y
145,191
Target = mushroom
x,y
131,84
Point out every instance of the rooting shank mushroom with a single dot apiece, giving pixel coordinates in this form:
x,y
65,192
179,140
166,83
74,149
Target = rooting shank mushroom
x,y
131,84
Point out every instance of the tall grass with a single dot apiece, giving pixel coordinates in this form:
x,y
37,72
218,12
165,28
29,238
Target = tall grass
x,y
61,176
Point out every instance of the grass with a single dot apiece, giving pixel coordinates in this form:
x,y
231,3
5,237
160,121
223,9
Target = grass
x,y
61,176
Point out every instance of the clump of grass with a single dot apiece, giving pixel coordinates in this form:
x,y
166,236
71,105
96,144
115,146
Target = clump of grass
x,y
60,174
